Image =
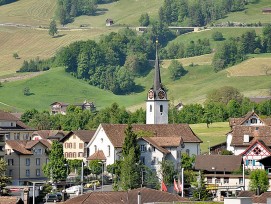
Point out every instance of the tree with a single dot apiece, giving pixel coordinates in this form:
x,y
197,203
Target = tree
x,y
28,115
26,91
130,172
4,180
144,19
95,167
167,171
224,95
15,55
187,161
52,28
201,193
258,180
55,169
176,70
130,141
217,36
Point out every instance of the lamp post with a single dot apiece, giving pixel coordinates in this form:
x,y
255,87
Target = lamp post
x,y
102,162
82,177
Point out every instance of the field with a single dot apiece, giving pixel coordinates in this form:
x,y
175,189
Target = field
x,y
215,134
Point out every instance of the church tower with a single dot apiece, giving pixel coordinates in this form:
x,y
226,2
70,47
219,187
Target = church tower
x,y
157,103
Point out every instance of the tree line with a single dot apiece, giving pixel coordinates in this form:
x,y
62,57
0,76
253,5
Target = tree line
x,y
197,12
235,50
220,105
2,2
68,9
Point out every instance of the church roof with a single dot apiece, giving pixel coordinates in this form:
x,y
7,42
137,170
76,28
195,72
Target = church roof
x,y
115,132
157,76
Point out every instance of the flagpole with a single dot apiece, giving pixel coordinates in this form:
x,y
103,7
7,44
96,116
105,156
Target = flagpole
x,y
182,182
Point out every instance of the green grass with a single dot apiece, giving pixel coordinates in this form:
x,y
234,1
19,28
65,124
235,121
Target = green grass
x,y
215,134
252,14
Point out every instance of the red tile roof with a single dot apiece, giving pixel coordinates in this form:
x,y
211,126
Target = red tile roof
x,y
84,135
259,142
216,163
153,143
255,133
98,155
129,197
24,147
7,116
9,200
115,132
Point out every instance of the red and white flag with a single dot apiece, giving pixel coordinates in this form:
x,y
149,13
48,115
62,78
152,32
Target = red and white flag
x,y
176,186
163,186
179,185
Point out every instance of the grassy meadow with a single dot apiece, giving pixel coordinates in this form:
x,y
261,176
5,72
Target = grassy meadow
x,y
215,134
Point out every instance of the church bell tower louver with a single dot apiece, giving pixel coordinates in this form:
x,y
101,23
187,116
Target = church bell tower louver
x,y
157,103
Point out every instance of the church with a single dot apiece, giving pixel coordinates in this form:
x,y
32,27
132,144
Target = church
x,y
157,139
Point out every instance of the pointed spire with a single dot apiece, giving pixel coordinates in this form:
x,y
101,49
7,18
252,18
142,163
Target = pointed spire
x,y
157,76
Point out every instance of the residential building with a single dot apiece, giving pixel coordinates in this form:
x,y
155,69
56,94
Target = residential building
x,y
75,142
61,108
11,128
48,134
134,196
25,160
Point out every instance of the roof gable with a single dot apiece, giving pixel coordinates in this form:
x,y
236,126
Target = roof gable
x,y
84,135
257,148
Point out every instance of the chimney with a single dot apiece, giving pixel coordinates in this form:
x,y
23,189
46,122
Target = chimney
x,y
139,198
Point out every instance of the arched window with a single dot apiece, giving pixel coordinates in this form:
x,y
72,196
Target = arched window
x,y
150,108
95,148
108,149
74,154
187,152
161,108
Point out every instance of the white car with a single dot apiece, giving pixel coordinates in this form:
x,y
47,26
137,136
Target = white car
x,y
73,189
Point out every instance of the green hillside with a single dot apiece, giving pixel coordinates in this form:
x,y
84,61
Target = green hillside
x,y
56,85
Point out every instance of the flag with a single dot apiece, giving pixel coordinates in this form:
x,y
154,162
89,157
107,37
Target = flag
x,y
163,186
176,186
179,185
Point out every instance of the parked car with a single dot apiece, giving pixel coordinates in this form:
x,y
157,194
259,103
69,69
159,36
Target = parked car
x,y
92,183
59,195
73,189
51,198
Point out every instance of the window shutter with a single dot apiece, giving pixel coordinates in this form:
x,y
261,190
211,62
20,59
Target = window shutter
x,y
246,162
253,161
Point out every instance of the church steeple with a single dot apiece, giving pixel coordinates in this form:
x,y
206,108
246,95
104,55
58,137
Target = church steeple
x,y
157,77
157,103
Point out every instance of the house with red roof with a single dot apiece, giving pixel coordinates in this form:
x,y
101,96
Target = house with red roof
x,y
25,160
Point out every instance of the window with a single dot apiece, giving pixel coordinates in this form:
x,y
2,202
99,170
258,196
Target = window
x,y
143,148
74,136
253,120
102,140
209,179
226,180
27,172
95,148
108,150
74,155
150,108
27,161
74,145
217,180
240,180
47,161
26,136
257,150
10,172
7,136
269,170
37,172
161,108
66,155
37,161
80,154
154,161
16,136
187,152
81,145
142,159
250,162
10,162
38,151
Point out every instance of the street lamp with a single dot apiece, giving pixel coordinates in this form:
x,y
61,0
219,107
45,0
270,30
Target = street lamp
x,y
82,177
101,162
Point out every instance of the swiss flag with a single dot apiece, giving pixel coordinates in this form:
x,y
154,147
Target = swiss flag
x,y
163,186
176,186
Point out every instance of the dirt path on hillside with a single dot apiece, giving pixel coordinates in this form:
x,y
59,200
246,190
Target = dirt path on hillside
x,y
20,77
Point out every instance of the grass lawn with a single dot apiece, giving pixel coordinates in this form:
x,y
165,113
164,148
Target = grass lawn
x,y
215,134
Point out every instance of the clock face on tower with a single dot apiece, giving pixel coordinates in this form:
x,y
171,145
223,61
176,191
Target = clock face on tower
x,y
151,94
161,94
